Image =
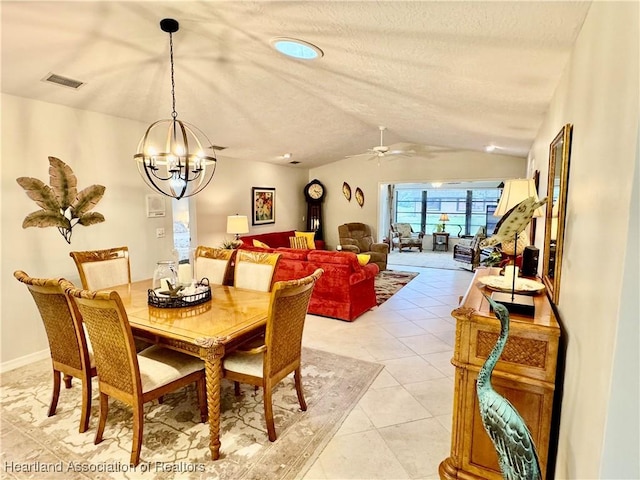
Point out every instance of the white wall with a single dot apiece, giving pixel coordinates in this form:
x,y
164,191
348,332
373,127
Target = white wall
x,y
230,193
99,150
598,94
368,175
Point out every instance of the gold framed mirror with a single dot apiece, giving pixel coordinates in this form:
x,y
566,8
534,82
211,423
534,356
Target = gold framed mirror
x,y
557,183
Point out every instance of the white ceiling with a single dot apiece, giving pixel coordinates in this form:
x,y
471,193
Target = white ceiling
x,y
453,74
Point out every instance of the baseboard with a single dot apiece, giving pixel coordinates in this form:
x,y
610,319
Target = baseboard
x,y
26,360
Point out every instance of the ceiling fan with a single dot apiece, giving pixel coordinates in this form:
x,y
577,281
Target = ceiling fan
x,y
382,150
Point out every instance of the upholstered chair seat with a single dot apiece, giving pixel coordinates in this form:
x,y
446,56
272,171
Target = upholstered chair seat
x,y
254,270
213,264
100,269
265,361
402,235
70,348
357,238
134,379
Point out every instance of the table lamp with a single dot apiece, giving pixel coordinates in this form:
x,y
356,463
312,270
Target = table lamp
x,y
444,218
515,191
237,224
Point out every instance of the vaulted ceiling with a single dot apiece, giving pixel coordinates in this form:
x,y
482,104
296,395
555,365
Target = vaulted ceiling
x,y
460,75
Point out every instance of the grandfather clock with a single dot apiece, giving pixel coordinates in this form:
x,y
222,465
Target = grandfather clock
x,y
314,192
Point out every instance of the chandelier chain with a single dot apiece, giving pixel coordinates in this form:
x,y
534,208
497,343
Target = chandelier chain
x,y
174,114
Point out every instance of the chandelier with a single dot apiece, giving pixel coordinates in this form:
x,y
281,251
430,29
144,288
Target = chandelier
x,y
170,155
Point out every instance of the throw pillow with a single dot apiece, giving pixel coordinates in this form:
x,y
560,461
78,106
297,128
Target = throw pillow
x,y
310,238
259,244
298,242
363,259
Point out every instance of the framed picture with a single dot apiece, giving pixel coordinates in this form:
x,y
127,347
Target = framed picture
x,y
263,205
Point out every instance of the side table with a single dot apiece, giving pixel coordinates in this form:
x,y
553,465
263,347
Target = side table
x,y
441,239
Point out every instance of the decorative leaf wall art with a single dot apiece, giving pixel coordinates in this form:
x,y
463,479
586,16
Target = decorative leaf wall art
x,y
62,205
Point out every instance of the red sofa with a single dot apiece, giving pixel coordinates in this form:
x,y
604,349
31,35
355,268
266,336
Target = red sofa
x,y
276,239
345,290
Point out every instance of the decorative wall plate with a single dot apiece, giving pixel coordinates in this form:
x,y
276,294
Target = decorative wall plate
x,y
359,196
346,191
502,284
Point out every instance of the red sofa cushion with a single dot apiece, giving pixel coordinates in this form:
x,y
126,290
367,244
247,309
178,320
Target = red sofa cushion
x,y
276,239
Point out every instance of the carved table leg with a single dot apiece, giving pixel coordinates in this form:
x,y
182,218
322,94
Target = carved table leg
x,y
213,371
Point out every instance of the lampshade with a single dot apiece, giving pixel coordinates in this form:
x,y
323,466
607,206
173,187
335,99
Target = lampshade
x,y
444,217
514,192
171,154
237,224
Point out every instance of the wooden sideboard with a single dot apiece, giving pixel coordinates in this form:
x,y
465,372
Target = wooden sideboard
x,y
525,375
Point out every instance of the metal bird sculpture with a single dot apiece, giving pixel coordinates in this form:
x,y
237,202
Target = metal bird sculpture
x,y
513,222
511,438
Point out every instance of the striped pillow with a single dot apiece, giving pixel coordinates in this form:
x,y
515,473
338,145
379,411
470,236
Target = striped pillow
x,y
298,242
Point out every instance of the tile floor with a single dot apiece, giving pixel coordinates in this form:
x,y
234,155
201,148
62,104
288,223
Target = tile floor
x,y
401,427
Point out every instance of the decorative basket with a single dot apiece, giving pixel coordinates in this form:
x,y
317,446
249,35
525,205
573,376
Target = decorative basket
x,y
165,301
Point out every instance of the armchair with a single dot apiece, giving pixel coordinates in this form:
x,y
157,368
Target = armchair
x,y
402,235
357,238
470,252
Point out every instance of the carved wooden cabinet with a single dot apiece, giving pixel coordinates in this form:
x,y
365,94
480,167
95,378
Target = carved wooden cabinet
x,y
525,375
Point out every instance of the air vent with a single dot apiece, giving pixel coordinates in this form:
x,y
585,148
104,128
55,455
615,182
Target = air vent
x,y
63,81
217,147
294,162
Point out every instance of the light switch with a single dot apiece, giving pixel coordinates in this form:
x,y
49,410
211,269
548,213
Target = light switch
x,y
159,232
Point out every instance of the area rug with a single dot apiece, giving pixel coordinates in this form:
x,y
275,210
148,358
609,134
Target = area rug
x,y
388,282
175,445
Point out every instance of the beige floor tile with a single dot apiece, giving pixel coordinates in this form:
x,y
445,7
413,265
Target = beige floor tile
x,y
384,380
448,337
316,472
428,302
441,361
389,406
420,446
446,421
360,456
442,310
423,344
388,349
404,329
436,325
357,421
417,314
411,369
396,304
435,395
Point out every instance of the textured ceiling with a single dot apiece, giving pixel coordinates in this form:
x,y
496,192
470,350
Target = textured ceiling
x,y
459,75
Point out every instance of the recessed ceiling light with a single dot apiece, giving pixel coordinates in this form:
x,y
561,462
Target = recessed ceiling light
x,y
490,148
294,48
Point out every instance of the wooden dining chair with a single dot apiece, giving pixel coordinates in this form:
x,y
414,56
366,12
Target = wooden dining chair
x,y
134,379
213,263
267,364
254,270
71,353
100,269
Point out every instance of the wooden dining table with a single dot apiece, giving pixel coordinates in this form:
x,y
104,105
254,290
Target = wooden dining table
x,y
206,331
